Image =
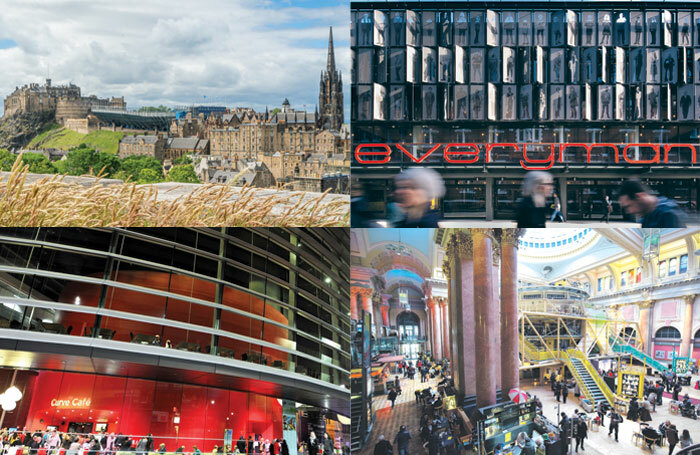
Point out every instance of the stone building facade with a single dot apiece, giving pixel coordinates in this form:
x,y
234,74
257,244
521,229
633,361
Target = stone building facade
x,y
65,101
330,99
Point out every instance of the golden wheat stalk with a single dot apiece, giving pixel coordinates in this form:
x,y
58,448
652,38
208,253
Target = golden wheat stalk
x,y
51,201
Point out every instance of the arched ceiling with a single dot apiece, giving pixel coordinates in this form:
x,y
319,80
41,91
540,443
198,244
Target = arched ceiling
x,y
387,256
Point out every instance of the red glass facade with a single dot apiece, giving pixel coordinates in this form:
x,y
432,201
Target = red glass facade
x,y
176,414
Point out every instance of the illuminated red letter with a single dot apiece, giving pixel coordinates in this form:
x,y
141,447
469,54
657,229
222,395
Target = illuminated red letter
x,y
419,160
651,161
549,160
474,154
489,147
386,153
617,152
668,147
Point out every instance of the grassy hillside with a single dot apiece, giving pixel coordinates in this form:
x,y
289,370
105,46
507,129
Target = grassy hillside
x,y
60,138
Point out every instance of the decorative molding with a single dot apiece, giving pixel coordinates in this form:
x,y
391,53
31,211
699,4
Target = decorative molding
x,y
496,253
464,245
357,290
511,236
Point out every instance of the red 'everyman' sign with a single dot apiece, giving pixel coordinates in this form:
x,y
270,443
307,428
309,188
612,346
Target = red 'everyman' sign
x,y
471,153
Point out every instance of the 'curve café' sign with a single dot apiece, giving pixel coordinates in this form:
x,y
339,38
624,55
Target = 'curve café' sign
x,y
71,403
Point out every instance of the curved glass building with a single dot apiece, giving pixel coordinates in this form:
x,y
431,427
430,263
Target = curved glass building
x,y
182,333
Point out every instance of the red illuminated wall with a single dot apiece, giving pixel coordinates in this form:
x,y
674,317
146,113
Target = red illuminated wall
x,y
138,407
178,310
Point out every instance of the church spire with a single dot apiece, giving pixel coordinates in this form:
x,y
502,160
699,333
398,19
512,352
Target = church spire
x,y
330,64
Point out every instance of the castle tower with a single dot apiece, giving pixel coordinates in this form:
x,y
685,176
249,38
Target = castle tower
x,y
330,100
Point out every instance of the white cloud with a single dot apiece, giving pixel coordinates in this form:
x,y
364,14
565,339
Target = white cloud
x,y
241,52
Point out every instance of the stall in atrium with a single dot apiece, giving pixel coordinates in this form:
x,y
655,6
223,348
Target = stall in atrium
x,y
506,340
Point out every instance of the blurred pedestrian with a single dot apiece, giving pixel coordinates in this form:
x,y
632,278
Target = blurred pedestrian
x,y
652,211
532,207
416,188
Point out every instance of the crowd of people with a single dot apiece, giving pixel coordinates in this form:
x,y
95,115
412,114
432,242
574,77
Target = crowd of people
x,y
53,442
417,190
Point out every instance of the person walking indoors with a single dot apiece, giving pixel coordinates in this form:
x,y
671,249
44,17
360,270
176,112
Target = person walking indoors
x,y
392,397
686,440
581,431
671,436
383,447
402,439
564,391
615,420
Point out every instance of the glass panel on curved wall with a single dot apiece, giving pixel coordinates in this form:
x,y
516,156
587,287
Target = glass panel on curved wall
x,y
379,102
696,28
444,20
398,103
428,28
620,55
364,102
508,65
476,66
445,65
589,36
461,66
380,66
605,98
620,102
429,102
461,94
492,105
697,102
397,64
542,103
558,28
556,76
525,102
590,65
429,65
573,66
653,28
412,65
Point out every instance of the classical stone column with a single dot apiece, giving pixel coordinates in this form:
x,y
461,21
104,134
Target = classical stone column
x,y
357,300
486,321
385,314
686,336
430,304
496,291
510,371
445,328
644,324
448,346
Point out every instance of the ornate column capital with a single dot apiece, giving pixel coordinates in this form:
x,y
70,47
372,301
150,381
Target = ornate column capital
x,y
511,236
443,302
486,232
427,289
689,299
464,245
430,303
646,304
359,290
446,267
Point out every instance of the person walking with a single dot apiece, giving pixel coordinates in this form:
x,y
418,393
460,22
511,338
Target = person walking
x,y
677,389
581,433
402,439
531,211
653,211
564,391
652,400
615,420
328,444
607,209
671,436
392,397
557,391
557,209
565,427
686,440
383,447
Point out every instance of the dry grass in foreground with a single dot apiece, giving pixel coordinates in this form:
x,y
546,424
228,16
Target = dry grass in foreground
x,y
53,202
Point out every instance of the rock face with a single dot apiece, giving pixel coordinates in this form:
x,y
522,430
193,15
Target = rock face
x,y
16,131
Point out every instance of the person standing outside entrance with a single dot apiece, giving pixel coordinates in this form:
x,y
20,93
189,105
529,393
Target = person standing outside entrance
x,y
557,209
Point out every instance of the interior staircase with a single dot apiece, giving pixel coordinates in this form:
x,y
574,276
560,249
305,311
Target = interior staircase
x,y
620,346
587,378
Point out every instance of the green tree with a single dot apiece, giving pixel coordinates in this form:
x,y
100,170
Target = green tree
x,y
184,159
83,160
148,175
38,163
183,173
133,165
275,111
7,159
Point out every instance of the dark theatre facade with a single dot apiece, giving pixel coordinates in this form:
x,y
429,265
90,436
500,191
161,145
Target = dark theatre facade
x,y
533,73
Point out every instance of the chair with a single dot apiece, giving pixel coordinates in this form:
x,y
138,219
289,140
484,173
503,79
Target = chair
x,y
55,328
279,364
226,352
105,334
637,438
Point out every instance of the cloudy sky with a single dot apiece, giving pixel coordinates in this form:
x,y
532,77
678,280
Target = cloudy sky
x,y
176,52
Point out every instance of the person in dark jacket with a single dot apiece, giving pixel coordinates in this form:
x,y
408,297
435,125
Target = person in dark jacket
x,y
383,447
677,389
284,448
615,420
633,410
671,436
653,211
392,397
416,188
564,391
532,207
434,444
581,431
241,444
328,444
402,440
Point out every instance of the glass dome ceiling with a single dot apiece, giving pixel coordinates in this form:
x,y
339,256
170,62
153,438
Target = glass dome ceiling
x,y
547,244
